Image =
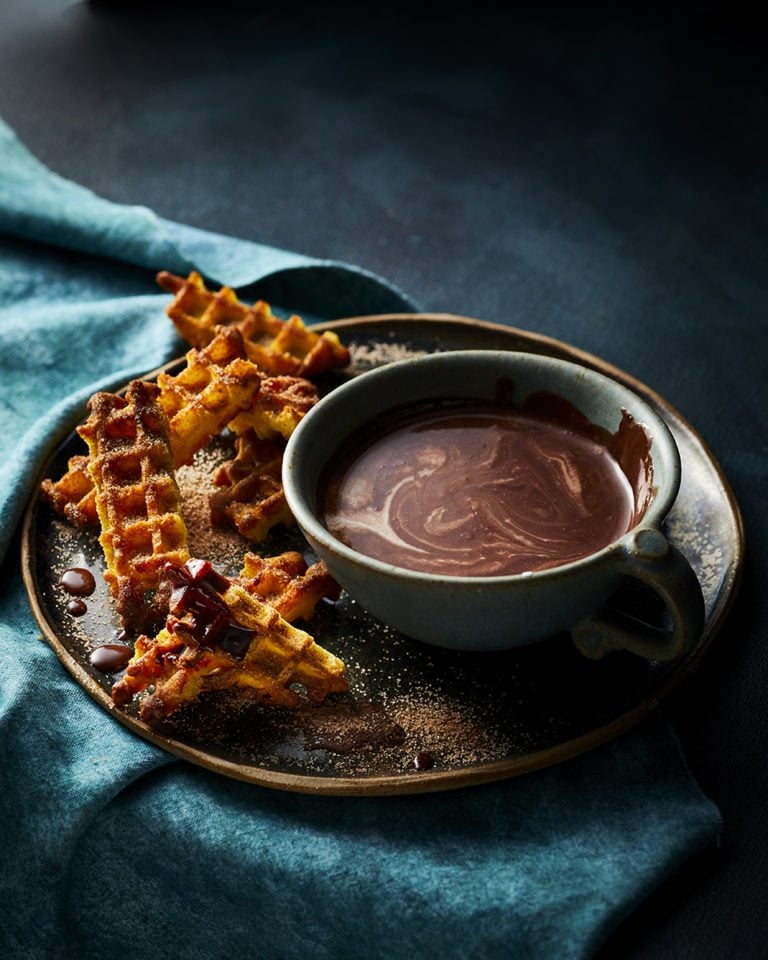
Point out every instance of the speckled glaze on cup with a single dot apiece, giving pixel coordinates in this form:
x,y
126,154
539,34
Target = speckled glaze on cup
x,y
494,613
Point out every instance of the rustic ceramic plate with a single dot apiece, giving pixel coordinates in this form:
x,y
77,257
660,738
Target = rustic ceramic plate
x,y
417,718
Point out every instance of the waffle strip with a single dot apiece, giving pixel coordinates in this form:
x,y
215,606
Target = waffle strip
x,y
136,496
288,584
281,405
251,498
73,495
276,346
276,658
216,384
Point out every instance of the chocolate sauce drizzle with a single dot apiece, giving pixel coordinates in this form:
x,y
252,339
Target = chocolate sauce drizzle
x,y
110,657
197,610
78,582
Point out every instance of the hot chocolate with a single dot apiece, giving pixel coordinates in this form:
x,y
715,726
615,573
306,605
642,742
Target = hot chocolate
x,y
472,488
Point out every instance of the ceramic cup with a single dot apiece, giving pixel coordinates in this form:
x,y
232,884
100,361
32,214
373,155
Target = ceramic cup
x,y
500,612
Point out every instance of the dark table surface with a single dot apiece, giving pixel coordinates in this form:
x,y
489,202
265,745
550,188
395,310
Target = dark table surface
x,y
600,178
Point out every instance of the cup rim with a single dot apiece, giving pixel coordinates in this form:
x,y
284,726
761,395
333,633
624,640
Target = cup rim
x,y
313,527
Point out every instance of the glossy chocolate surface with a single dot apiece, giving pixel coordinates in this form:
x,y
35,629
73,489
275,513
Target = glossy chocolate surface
x,y
473,488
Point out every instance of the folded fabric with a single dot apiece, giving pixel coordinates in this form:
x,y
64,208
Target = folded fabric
x,y
113,847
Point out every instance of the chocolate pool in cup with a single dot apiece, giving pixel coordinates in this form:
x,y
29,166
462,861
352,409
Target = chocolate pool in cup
x,y
468,462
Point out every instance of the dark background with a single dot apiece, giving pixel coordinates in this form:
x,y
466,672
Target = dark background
x,y
597,176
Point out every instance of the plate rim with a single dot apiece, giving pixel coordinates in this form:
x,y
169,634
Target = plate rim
x,y
428,781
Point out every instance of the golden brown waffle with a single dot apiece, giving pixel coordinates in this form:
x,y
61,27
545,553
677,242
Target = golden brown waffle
x,y
214,386
137,498
281,405
288,584
196,311
251,497
73,495
276,346
252,649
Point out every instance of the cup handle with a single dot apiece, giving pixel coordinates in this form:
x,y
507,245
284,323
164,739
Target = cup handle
x,y
648,556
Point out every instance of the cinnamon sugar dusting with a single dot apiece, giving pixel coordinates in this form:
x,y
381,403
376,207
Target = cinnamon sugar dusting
x,y
451,732
367,355
347,735
224,546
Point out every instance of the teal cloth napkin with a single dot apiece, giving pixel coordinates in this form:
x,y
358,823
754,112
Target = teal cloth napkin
x,y
110,846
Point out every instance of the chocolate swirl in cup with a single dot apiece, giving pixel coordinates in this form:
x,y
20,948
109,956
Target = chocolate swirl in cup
x,y
479,489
